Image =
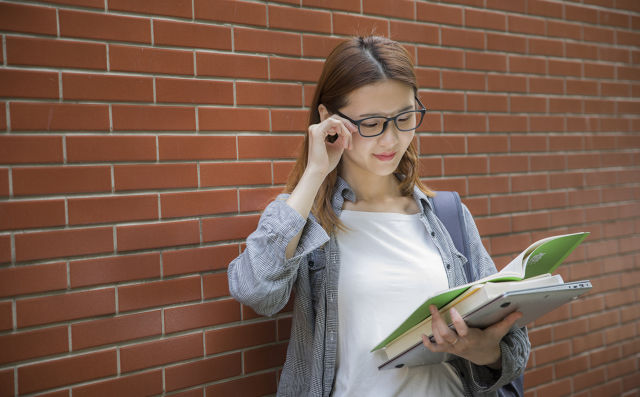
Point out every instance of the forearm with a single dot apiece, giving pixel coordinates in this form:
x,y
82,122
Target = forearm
x,y
301,200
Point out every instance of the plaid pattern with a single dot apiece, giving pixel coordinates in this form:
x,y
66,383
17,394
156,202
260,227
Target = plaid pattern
x,y
263,279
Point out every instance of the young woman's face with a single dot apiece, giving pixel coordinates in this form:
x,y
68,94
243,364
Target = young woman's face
x,y
379,155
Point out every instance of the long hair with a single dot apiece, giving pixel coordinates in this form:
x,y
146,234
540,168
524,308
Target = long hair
x,y
354,63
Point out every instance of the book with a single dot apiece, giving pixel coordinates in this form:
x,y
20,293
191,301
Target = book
x,y
541,257
532,302
470,300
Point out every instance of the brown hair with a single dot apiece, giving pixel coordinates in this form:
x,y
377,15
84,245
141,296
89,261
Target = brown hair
x,y
352,64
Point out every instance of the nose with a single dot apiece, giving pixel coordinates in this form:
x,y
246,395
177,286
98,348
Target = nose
x,y
390,134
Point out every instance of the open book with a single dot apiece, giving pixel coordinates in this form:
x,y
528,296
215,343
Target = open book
x,y
540,258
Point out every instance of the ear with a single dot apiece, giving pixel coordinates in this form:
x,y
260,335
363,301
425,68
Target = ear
x,y
324,113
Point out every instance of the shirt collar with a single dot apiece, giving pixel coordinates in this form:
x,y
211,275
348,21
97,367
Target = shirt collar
x,y
342,191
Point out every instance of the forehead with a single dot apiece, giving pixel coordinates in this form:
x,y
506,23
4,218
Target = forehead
x,y
382,97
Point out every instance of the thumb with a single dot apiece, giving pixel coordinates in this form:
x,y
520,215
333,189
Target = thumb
x,y
503,326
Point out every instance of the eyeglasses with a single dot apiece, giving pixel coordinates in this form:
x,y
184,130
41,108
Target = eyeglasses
x,y
376,125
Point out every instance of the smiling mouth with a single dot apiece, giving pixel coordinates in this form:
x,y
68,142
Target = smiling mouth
x,y
385,156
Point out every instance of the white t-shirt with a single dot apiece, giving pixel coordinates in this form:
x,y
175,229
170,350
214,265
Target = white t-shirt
x,y
388,266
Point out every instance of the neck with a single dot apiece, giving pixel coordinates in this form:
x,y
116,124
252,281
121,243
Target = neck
x,y
373,188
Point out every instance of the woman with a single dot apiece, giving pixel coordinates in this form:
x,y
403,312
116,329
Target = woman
x,y
355,237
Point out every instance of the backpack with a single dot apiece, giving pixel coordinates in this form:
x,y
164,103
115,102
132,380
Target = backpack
x,y
448,208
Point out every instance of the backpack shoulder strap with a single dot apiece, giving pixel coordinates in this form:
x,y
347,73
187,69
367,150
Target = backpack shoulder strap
x,y
448,208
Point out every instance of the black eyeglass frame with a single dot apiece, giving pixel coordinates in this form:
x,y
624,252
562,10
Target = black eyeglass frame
x,y
423,110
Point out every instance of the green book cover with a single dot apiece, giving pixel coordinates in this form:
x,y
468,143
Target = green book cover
x,y
541,257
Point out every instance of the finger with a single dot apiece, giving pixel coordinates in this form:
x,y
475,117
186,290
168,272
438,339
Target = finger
x,y
501,328
440,327
458,323
432,346
338,129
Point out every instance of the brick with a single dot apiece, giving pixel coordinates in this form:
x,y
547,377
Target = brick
x,y
564,29
201,315
581,87
599,34
55,180
28,19
320,46
572,366
56,53
158,293
271,147
31,279
274,94
289,120
520,24
155,176
298,19
414,32
554,352
186,204
507,83
146,383
3,115
58,116
482,61
440,57
176,8
527,104
28,84
614,54
463,80
5,252
456,37
33,344
294,69
588,379
442,144
264,357
114,269
165,351
510,203
235,174
439,13
263,41
488,184
400,9
544,8
110,148
486,103
231,65
464,123
101,26
584,51
503,123
487,144
191,35
349,24
25,149
215,285
65,307
565,68
82,3
580,124
611,18
484,19
231,228
6,316
202,371
155,118
80,86
251,385
83,211
506,42
526,64
80,368
627,38
241,12
62,243
615,89
456,165
233,119
257,199
598,106
150,60
196,147
537,376
157,235
565,105
521,183
444,101
238,337
509,163
7,382
193,260
194,91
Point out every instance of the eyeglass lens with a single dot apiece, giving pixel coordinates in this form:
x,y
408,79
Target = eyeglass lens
x,y
405,121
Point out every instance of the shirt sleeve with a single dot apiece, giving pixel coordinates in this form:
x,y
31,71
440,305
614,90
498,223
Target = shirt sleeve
x,y
261,277
515,347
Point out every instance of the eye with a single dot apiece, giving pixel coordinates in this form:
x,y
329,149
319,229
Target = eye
x,y
370,124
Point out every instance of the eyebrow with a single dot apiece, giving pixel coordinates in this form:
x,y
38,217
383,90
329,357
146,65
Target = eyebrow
x,y
409,107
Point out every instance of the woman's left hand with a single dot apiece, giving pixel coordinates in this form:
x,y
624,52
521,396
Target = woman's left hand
x,y
481,347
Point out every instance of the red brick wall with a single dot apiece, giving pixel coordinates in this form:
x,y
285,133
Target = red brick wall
x,y
140,139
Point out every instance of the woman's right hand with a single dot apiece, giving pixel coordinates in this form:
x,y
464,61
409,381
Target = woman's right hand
x,y
324,155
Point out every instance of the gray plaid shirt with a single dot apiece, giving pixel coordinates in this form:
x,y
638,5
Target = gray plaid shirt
x,y
263,279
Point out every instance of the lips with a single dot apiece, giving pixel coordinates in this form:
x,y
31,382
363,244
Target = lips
x,y
385,156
